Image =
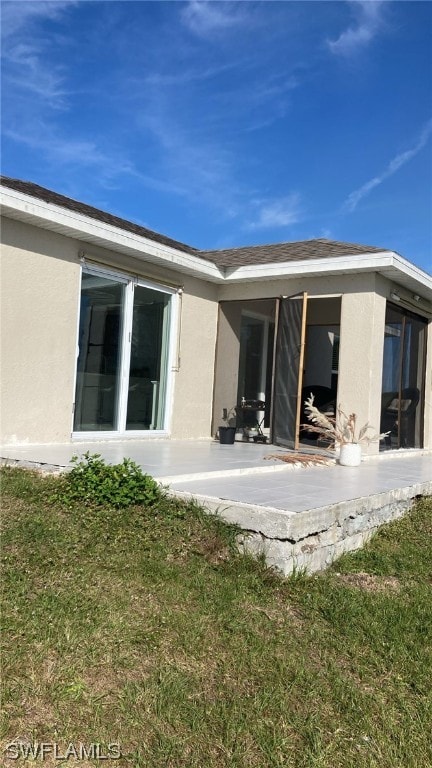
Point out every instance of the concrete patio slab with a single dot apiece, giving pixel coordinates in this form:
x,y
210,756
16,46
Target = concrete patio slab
x,y
298,517
300,489
163,459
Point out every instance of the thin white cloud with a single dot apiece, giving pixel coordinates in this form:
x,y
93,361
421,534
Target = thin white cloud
x,y
190,156
206,172
271,90
18,14
276,213
24,64
189,76
253,104
353,39
63,151
86,156
203,169
404,157
205,18
28,72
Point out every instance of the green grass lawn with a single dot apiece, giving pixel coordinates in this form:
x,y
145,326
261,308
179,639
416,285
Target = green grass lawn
x,y
145,627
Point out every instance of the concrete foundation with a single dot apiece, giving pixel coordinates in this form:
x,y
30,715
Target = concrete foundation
x,y
311,540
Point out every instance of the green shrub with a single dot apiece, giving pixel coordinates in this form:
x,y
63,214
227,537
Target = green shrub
x,y
94,483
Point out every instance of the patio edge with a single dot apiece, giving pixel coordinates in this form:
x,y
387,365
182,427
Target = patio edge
x,y
310,540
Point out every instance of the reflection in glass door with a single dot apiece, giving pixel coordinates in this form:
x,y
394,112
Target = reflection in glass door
x,y
122,368
148,361
98,368
404,361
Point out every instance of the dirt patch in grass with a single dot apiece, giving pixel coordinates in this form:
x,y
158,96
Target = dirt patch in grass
x,y
213,547
369,582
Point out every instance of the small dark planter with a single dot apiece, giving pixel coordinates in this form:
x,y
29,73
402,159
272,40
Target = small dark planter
x,y
227,435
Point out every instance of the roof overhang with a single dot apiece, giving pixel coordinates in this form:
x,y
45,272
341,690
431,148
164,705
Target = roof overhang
x,y
32,210
387,263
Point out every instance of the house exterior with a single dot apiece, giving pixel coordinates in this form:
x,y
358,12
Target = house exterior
x,y
112,331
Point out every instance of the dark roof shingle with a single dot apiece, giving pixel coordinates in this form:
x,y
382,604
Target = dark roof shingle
x,y
34,190
319,248
229,257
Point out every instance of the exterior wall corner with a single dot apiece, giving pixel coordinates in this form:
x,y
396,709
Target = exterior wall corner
x,y
361,358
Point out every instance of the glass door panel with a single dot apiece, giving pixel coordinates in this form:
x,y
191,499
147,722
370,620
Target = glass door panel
x,y
413,372
402,398
98,367
392,349
148,360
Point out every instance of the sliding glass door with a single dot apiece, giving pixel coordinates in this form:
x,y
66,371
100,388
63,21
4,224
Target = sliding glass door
x,y
123,362
403,378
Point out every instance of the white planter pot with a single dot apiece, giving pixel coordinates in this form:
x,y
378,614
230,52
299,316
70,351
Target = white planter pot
x,y
350,455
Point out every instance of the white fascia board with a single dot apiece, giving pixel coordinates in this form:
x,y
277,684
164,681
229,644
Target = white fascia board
x,y
355,263
414,272
79,226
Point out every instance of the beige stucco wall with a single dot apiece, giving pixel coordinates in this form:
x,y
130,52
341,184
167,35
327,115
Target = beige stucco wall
x,y
361,358
324,285
227,361
39,304
40,285
193,394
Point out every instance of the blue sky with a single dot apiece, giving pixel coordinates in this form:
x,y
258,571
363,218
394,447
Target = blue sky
x,y
228,123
